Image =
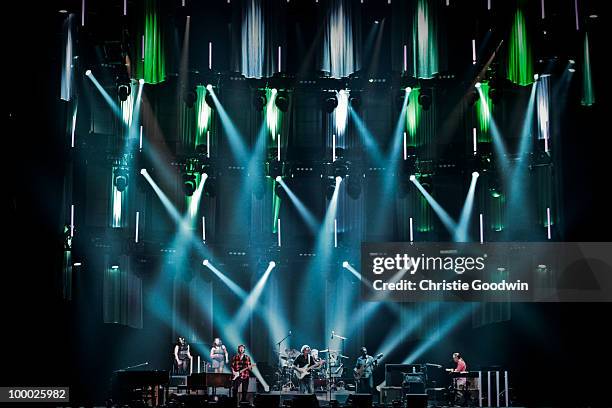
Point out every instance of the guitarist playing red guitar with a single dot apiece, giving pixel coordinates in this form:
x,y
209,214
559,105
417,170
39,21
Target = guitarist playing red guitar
x,y
241,366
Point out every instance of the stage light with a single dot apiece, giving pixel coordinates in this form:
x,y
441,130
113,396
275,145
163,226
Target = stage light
x,y
475,174
353,187
340,168
275,169
282,101
189,184
274,91
88,72
355,100
124,90
209,87
535,77
115,267
210,101
260,100
425,98
278,178
408,89
120,179
205,262
345,264
412,177
272,264
477,85
330,102
473,97
143,171
210,188
338,180
141,81
190,98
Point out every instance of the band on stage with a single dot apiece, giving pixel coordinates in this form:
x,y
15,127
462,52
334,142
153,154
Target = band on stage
x,y
307,368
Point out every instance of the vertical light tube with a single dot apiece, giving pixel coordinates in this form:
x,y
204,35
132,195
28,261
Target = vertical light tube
x,y
488,4
411,231
82,13
278,231
335,233
474,141
497,387
204,229
546,140
279,58
278,149
542,6
576,12
405,58
142,47
137,222
72,220
125,7
488,388
208,143
506,388
405,148
333,147
198,356
74,118
210,55
548,222
473,51
481,229
480,388
140,139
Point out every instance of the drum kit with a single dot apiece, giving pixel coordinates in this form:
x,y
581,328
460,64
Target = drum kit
x,y
325,378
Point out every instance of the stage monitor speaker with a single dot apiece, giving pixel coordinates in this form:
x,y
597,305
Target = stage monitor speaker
x,y
267,401
191,400
359,401
305,401
390,394
416,400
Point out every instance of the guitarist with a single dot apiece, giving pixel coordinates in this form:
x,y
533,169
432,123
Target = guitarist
x,y
241,365
303,362
365,383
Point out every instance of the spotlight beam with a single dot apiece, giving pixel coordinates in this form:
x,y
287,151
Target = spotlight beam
x,y
461,233
236,141
367,138
251,300
109,100
446,219
237,290
306,214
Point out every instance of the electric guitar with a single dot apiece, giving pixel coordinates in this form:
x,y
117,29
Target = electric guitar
x,y
236,374
358,372
302,372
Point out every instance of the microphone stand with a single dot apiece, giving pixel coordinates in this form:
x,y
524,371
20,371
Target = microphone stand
x,y
280,382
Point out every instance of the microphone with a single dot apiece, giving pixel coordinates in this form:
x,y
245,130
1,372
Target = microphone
x,y
333,332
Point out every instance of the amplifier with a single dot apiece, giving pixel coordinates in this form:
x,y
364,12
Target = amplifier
x,y
390,394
